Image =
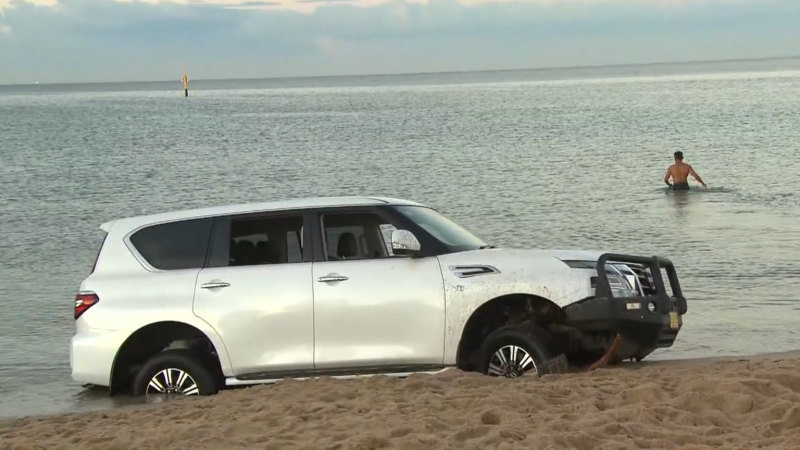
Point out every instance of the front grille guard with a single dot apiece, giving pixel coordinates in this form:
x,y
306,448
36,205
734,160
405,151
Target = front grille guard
x,y
655,264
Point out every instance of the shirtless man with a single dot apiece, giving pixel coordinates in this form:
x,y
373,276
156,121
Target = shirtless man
x,y
680,172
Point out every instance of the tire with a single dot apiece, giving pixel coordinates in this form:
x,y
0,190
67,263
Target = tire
x,y
532,340
201,380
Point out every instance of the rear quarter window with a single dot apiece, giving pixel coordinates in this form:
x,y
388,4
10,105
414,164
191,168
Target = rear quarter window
x,y
174,245
97,255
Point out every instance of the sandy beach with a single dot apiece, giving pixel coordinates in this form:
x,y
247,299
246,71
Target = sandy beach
x,y
728,403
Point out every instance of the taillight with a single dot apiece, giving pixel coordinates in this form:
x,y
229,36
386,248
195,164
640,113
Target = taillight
x,y
84,301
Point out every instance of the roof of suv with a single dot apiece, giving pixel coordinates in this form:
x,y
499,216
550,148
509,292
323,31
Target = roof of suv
x,y
300,203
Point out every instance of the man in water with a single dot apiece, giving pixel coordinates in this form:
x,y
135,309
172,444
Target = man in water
x,y
680,172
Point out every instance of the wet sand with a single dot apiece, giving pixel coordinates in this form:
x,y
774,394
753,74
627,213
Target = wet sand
x,y
696,404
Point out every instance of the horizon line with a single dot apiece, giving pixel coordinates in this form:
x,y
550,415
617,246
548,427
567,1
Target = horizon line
x,y
440,72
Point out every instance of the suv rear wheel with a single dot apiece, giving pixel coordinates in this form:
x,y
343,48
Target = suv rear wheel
x,y
174,373
515,350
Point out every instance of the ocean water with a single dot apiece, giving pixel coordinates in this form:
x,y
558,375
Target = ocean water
x,y
570,158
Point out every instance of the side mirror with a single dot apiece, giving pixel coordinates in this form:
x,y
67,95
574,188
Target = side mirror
x,y
404,243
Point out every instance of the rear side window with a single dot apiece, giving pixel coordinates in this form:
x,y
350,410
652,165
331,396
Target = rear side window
x,y
174,245
257,240
270,240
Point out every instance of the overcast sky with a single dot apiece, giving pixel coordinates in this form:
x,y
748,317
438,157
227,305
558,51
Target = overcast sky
x,y
107,40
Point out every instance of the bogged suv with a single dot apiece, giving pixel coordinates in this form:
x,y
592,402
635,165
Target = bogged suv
x,y
190,302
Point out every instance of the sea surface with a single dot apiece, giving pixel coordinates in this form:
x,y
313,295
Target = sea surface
x,y
567,158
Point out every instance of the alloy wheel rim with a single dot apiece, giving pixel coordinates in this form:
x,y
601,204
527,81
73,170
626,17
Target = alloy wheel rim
x,y
172,381
511,361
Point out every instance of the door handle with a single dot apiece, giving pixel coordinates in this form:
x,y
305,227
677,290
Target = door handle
x,y
214,284
331,278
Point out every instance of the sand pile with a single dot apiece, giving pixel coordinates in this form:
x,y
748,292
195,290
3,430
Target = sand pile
x,y
733,404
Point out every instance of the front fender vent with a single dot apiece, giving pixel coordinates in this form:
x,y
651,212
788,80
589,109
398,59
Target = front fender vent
x,y
473,271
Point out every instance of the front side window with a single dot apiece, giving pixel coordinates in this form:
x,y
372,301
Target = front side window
x,y
356,236
265,240
441,228
174,245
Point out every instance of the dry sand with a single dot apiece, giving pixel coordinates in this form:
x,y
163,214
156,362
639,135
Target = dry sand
x,y
731,404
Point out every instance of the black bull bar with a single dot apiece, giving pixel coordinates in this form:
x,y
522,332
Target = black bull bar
x,y
655,264
644,322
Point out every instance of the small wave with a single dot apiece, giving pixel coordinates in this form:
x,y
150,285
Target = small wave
x,y
698,190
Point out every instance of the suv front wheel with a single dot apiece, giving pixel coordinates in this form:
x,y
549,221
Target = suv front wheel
x,y
174,373
515,350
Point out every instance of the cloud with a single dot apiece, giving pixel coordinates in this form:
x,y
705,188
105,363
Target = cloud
x,y
4,4
98,40
256,3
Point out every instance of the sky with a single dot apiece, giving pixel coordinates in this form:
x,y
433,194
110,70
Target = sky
x,y
109,40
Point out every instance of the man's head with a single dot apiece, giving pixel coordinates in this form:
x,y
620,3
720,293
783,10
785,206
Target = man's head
x,y
678,156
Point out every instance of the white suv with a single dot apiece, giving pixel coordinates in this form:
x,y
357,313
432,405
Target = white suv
x,y
189,302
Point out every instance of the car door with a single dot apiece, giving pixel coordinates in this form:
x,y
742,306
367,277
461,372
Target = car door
x,y
256,292
373,309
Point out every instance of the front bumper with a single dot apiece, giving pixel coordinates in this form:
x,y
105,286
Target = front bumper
x,y
644,323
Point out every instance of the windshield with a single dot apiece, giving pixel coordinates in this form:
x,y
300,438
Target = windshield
x,y
442,228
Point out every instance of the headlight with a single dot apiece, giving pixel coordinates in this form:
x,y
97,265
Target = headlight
x,y
619,284
630,275
620,287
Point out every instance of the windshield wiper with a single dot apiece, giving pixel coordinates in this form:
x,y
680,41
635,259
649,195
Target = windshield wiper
x,y
486,246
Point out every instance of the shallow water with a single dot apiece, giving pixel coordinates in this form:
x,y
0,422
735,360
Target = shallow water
x,y
523,159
